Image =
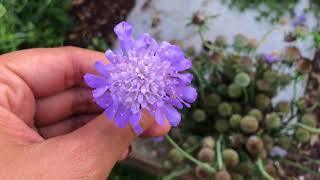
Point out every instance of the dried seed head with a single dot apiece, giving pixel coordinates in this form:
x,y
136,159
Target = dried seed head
x,y
256,113
208,142
254,145
230,158
199,115
272,121
214,99
283,107
198,18
222,175
302,135
175,156
206,155
292,53
220,41
225,109
249,124
242,79
309,120
221,125
234,90
235,120
237,140
262,101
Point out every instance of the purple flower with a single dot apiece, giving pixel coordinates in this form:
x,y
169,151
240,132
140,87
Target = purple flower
x,y
142,75
272,57
300,20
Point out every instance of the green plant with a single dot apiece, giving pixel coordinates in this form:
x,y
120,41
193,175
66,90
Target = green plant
x,y
29,23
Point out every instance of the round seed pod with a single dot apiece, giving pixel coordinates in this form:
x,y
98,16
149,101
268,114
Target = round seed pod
x,y
216,58
167,164
237,140
244,168
192,140
302,135
199,115
268,142
206,155
252,43
220,41
225,109
304,66
263,85
240,41
175,133
284,79
236,108
309,120
222,89
256,113
230,158
254,145
262,101
292,53
249,124
198,18
222,175
236,176
273,121
235,121
175,156
270,75
202,172
234,90
214,100
283,107
208,142
242,79
221,125
285,142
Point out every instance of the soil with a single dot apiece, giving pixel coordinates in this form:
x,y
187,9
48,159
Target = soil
x,y
96,18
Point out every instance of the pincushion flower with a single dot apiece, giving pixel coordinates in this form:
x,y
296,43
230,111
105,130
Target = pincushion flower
x,y
272,57
142,75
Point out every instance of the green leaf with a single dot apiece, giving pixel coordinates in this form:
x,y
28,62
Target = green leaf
x,y
3,10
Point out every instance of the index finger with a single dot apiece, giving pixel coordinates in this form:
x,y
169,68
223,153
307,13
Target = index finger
x,y
48,71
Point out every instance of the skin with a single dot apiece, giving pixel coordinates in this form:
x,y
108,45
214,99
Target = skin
x,y
50,128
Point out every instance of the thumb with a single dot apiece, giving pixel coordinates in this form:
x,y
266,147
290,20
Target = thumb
x,y
102,143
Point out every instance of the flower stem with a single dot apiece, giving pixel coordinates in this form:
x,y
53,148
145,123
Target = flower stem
x,y
310,129
263,171
219,156
177,173
201,83
298,166
188,156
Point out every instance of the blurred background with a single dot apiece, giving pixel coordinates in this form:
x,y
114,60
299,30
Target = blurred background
x,y
209,31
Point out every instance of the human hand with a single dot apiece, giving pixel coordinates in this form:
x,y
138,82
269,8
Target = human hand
x,y
50,128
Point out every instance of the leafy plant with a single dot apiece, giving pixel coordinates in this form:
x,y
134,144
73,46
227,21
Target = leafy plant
x,y
30,23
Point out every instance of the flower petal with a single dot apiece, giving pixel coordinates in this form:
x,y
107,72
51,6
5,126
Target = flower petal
x,y
102,68
99,91
188,93
95,81
173,116
159,117
112,110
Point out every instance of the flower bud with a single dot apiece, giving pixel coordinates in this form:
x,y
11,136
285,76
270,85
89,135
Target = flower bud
x,y
273,121
235,120
230,158
220,41
270,75
252,43
234,90
302,135
242,79
198,115
285,142
249,124
175,156
206,155
208,142
236,140
254,145
256,113
202,172
240,41
236,108
198,18
216,58
283,107
262,101
263,85
224,109
222,175
309,120
214,100
304,66
221,125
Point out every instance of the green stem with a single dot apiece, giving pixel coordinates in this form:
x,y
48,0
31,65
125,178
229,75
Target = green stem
x,y
201,83
263,171
177,173
246,97
188,156
310,129
313,107
219,156
298,166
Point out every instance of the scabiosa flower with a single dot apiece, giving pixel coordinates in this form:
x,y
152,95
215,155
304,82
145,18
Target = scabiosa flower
x,y
142,75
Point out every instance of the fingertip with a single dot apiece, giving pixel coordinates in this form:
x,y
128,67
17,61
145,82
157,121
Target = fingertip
x,y
156,130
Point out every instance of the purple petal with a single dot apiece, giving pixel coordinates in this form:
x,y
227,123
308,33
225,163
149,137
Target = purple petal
x,y
146,41
134,121
123,30
186,78
110,56
99,91
173,115
104,101
102,68
122,116
171,52
188,93
159,117
111,110
95,81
